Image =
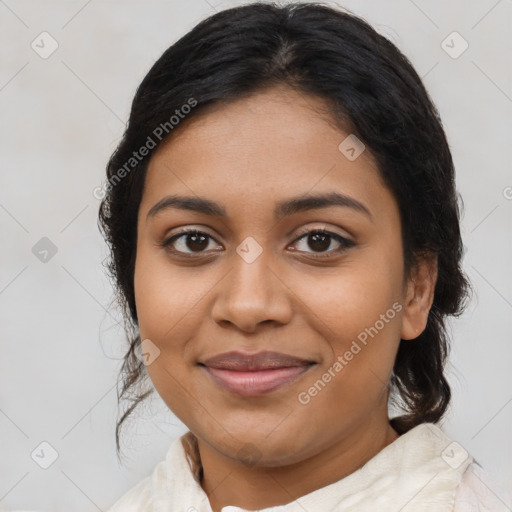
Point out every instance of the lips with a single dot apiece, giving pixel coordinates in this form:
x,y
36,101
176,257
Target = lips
x,y
255,374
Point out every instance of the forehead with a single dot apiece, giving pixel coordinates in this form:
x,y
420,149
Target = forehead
x,y
259,149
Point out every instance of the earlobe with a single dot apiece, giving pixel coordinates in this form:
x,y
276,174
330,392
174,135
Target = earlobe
x,y
419,297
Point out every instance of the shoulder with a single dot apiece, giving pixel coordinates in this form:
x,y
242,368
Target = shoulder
x,y
160,489
137,499
143,496
477,492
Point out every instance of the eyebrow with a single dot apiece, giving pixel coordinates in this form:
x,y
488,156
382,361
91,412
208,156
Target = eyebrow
x,y
283,209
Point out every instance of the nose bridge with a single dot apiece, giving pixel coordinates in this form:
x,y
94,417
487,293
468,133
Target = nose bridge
x,y
251,292
251,267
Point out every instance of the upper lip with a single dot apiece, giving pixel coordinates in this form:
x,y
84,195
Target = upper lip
x,y
240,361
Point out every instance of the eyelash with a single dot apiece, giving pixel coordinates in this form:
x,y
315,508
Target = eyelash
x,y
345,243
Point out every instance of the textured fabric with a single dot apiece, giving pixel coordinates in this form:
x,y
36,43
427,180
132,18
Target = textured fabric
x,y
422,470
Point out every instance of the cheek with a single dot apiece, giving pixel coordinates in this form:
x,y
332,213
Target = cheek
x,y
171,310
165,314
358,312
355,296
166,299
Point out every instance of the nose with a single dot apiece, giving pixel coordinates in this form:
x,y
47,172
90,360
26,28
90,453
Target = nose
x,y
252,294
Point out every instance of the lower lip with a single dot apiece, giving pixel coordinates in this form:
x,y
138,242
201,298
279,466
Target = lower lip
x,y
255,383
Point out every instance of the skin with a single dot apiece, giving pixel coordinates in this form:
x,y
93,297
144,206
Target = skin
x,y
248,155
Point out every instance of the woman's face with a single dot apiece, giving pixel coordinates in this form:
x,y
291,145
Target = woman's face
x,y
253,280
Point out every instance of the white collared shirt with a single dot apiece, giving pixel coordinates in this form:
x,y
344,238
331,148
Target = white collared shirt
x,y
421,471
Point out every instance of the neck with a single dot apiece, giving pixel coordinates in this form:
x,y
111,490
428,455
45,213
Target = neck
x,y
228,482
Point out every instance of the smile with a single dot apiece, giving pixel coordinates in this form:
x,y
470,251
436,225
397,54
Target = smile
x,y
256,382
255,374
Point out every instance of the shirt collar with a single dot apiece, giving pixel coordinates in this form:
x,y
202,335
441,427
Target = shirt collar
x,y
419,471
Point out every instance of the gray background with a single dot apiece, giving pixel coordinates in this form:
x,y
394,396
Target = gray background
x,y
61,118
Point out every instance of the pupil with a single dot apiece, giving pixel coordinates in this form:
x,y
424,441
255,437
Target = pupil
x,y
197,240
321,238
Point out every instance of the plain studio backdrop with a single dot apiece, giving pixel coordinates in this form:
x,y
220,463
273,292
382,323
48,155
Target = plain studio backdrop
x,y
68,75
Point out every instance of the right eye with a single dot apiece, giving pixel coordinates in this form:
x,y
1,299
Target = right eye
x,y
192,239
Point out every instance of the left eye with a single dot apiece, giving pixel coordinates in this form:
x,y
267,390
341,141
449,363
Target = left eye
x,y
320,240
197,242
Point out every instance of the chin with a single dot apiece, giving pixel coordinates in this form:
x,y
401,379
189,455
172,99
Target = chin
x,y
259,449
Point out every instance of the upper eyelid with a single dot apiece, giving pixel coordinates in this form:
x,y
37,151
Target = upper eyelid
x,y
298,233
324,229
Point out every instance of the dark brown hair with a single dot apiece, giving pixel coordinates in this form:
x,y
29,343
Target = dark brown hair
x,y
370,87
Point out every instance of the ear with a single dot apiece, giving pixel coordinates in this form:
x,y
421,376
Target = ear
x,y
419,296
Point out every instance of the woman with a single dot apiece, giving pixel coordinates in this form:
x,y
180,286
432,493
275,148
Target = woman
x,y
284,230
